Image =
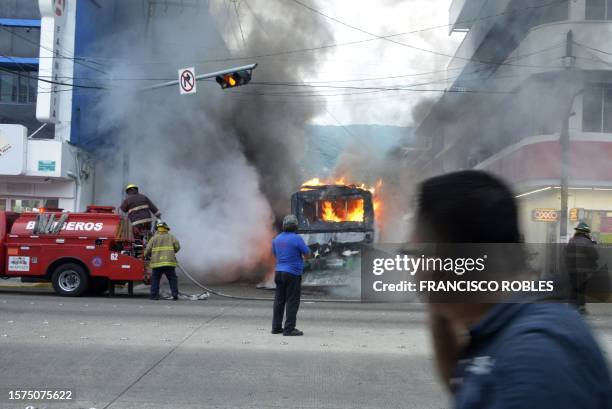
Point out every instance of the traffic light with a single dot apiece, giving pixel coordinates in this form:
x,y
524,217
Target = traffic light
x,y
234,79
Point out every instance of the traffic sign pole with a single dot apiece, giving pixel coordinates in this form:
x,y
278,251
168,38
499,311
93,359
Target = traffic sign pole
x,y
203,76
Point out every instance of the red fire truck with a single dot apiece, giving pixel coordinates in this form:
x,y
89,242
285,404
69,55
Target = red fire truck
x,y
76,252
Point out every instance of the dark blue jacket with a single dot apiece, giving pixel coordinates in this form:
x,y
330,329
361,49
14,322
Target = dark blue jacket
x,y
539,356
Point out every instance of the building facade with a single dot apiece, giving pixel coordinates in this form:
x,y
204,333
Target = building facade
x,y
55,62
523,69
41,166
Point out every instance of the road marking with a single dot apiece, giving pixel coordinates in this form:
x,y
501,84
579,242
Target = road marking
x,y
167,354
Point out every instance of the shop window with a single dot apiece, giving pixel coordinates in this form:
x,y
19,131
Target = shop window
x,y
597,109
33,205
598,10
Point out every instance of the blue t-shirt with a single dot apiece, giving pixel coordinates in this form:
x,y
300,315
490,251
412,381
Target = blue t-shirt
x,y
288,248
539,355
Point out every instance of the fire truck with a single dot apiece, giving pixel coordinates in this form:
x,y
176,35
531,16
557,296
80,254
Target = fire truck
x,y
76,252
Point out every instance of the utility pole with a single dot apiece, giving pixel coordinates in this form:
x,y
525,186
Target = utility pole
x,y
564,158
564,142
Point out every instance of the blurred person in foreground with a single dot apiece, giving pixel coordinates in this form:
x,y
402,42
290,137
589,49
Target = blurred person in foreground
x,y
289,249
581,262
504,355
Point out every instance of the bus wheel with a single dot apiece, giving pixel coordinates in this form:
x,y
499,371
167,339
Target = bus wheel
x,y
69,280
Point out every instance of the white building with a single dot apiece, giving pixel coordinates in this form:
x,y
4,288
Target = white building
x,y
39,167
49,137
520,67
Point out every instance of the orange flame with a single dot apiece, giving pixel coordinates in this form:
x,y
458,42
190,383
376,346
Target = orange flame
x,y
345,210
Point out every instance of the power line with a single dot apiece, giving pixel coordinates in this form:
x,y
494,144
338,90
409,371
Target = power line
x,y
49,81
238,18
75,60
379,89
389,39
229,23
593,48
476,71
314,84
334,45
272,84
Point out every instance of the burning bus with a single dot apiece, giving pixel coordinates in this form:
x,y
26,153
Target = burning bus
x,y
335,219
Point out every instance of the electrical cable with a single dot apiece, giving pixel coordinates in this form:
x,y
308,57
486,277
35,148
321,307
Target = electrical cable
x,y
49,81
74,59
593,48
323,47
386,38
239,23
313,84
476,71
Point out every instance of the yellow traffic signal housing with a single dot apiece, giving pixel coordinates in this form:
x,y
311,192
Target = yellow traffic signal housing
x,y
234,79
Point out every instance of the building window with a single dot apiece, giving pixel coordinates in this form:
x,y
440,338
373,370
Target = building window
x,y
544,14
597,109
32,205
599,9
17,89
558,11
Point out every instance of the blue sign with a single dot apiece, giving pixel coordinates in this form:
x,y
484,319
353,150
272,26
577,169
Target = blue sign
x,y
97,262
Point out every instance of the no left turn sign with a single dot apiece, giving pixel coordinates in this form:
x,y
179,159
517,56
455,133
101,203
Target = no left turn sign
x,y
187,80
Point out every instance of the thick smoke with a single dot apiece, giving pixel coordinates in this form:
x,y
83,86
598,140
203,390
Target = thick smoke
x,y
389,172
221,165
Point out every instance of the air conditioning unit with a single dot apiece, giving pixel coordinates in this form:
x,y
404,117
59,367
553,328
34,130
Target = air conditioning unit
x,y
13,149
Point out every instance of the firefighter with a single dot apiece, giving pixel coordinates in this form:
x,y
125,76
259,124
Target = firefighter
x,y
581,262
139,208
162,249
289,249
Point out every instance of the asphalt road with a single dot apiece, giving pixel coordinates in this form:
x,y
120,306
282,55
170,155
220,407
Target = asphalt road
x,y
134,353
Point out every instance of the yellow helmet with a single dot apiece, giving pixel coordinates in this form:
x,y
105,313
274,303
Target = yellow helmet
x,y
131,186
162,226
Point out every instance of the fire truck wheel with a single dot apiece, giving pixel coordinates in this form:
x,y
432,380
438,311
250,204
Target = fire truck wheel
x,y
69,280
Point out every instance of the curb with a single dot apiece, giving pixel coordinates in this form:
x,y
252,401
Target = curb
x,y
24,285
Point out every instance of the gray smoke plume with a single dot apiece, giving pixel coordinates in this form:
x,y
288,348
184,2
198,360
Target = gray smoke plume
x,y
221,165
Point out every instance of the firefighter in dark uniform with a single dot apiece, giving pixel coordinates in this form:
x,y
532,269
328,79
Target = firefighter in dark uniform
x,y
139,209
581,261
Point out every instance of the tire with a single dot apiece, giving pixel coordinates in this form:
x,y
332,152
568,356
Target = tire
x,y
70,280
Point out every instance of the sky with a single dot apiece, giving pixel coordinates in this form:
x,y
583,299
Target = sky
x,y
373,59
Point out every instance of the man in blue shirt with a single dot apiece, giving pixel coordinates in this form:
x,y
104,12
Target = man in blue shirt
x,y
504,355
289,249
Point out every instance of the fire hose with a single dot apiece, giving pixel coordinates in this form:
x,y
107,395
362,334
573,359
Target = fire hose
x,y
237,297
